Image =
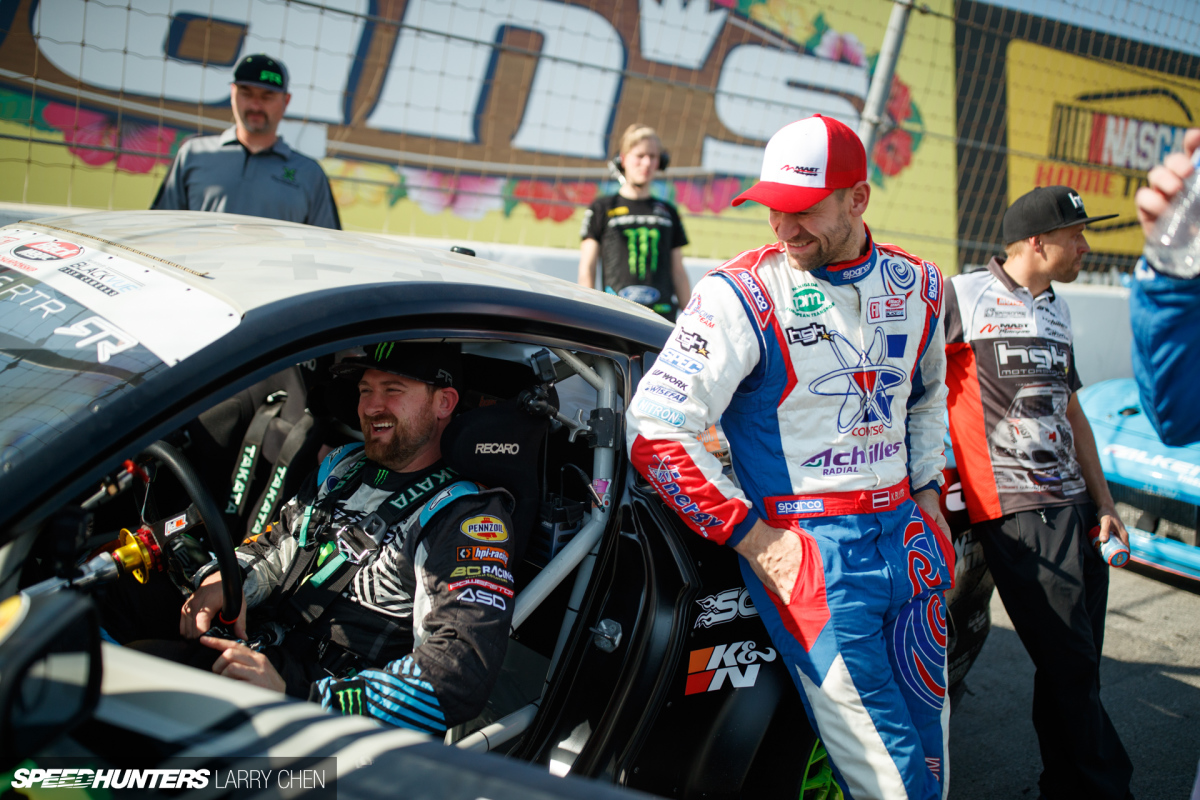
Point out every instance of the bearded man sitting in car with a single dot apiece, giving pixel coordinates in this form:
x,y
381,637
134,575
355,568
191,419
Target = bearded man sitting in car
x,y
389,574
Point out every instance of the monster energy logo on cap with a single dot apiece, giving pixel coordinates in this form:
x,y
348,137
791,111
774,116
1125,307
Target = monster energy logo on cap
x,y
435,363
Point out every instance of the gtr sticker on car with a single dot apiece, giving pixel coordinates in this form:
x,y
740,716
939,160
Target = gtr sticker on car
x,y
709,669
485,529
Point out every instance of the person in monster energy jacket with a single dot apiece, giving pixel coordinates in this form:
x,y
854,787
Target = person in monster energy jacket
x,y
389,573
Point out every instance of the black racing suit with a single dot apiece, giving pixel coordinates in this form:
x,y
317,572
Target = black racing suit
x,y
415,635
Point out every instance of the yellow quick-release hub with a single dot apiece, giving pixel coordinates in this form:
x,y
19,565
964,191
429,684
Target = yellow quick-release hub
x,y
133,556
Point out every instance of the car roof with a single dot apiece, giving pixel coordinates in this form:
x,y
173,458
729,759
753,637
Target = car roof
x,y
251,262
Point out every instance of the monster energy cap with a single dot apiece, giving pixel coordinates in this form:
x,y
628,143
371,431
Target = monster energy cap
x,y
261,70
436,363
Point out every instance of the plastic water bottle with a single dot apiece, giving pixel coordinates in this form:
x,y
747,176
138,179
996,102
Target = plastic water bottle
x,y
1114,552
1174,247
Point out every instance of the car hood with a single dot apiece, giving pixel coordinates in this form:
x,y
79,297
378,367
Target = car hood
x,y
1131,453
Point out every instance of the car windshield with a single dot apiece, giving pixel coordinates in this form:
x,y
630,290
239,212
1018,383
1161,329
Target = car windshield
x,y
59,361
1038,405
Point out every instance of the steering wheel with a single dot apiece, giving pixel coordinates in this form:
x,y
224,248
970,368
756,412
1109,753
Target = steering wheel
x,y
214,525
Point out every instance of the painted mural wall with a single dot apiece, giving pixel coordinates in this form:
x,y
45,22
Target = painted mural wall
x,y
481,120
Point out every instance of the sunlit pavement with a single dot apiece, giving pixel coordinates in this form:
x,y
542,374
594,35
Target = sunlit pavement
x,y
1151,689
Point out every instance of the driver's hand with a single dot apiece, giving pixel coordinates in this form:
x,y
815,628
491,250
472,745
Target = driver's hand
x,y
199,611
239,662
775,556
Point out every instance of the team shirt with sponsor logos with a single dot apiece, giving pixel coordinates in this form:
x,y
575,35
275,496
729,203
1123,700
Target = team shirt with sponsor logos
x,y
636,239
1011,372
824,381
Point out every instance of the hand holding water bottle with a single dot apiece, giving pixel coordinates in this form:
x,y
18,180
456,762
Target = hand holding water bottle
x,y
1169,210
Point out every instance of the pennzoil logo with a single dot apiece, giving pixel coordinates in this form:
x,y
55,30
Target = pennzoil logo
x,y
485,529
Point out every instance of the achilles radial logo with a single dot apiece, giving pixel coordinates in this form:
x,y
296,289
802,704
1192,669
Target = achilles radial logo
x,y
709,669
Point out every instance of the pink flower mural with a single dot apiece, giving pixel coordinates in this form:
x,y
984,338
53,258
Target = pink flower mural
x,y
468,196
94,137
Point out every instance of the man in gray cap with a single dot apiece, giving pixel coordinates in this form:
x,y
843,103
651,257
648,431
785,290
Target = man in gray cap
x,y
249,169
1029,465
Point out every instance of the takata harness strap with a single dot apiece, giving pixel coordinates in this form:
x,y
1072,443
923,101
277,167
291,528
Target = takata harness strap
x,y
243,470
292,445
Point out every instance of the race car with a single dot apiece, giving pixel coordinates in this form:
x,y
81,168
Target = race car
x,y
137,351
1157,487
1030,445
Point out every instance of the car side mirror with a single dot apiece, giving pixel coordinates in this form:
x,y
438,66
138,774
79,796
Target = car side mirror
x,y
50,670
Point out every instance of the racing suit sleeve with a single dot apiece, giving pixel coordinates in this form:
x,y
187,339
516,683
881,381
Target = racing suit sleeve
x,y
713,348
1165,317
462,613
927,421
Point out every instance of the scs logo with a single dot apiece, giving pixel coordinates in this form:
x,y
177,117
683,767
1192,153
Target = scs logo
x,y
491,448
709,668
485,529
724,607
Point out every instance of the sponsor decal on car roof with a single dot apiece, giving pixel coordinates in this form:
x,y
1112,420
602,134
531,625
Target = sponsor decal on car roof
x,y
133,304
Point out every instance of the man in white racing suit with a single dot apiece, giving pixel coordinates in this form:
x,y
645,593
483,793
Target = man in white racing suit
x,y
823,358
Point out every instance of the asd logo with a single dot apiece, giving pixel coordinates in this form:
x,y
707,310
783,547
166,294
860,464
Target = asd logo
x,y
724,607
708,668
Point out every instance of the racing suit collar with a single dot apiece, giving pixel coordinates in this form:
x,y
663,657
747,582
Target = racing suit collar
x,y
851,271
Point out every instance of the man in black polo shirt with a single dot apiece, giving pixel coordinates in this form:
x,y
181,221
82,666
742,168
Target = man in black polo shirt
x,y
248,169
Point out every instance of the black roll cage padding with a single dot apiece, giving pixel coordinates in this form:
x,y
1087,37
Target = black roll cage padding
x,y
214,524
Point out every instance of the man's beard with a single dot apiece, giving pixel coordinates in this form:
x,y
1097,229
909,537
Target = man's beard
x,y
831,252
408,438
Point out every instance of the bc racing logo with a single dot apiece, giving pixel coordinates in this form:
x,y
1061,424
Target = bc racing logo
x,y
863,380
710,668
485,529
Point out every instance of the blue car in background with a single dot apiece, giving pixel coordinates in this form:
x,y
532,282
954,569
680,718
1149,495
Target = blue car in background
x,y
1157,488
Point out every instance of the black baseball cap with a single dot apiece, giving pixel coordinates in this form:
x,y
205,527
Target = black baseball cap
x,y
1045,209
436,363
261,70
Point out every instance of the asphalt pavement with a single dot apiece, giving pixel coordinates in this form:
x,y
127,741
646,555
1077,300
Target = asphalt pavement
x,y
1150,678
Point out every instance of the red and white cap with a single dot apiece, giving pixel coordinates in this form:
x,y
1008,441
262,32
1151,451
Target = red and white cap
x,y
804,162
